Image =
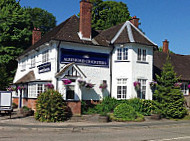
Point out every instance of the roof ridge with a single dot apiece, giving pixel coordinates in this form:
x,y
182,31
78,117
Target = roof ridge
x,y
141,33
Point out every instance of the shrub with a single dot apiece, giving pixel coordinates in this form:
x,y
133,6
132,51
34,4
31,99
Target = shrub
x,y
141,106
125,112
14,105
25,111
107,105
50,107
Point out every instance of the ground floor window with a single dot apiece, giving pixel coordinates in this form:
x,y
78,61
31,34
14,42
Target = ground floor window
x,y
184,89
142,92
70,92
35,89
122,88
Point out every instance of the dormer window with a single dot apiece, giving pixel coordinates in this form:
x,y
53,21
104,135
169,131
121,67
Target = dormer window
x,y
122,54
141,55
45,56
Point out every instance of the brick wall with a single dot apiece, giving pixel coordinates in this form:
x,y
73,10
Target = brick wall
x,y
30,103
15,100
75,107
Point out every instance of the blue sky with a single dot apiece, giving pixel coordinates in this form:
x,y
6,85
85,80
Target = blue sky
x,y
160,19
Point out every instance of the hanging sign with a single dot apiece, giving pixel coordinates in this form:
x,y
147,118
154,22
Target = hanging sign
x,y
84,58
44,67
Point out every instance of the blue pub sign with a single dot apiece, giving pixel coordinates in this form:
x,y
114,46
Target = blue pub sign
x,y
44,67
84,58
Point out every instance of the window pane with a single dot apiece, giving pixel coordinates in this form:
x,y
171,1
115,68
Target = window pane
x,y
125,53
144,55
139,54
142,93
119,53
70,92
122,88
45,56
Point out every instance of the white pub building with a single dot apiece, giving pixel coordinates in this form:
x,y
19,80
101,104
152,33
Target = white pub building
x,y
114,58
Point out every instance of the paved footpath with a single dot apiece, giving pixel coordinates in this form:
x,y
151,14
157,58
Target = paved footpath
x,y
31,123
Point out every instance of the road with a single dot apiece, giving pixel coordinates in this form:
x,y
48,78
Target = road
x,y
170,132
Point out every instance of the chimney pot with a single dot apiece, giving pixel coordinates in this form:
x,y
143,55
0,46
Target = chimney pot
x,y
135,21
36,35
166,46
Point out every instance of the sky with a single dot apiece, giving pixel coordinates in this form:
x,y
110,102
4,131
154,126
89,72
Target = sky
x,y
160,19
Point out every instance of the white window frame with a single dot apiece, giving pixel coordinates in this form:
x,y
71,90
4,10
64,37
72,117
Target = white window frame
x,y
184,88
33,89
142,55
121,88
142,92
33,62
45,56
23,65
122,54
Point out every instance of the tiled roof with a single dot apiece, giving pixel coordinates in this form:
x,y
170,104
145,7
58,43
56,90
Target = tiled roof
x,y
181,64
26,78
68,32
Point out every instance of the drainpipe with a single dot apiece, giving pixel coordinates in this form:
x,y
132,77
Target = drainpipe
x,y
58,62
111,53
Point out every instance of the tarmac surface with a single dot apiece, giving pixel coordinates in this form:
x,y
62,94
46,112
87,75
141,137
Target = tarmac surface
x,y
31,123
28,129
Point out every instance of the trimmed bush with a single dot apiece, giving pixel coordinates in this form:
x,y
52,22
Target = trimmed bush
x,y
50,107
125,112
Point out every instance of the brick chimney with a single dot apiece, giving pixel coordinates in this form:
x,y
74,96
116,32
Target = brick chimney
x,y
135,21
85,20
165,46
36,35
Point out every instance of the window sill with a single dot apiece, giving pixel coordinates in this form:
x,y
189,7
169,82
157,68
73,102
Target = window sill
x,y
122,61
71,100
143,62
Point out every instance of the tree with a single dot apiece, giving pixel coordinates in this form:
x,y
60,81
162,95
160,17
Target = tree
x,y
168,96
41,19
14,35
16,25
106,14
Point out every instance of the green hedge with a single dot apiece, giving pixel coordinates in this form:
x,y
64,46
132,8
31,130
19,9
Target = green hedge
x,y
108,104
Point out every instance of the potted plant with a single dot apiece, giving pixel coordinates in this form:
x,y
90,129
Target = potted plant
x,y
177,85
66,81
89,85
137,85
81,82
49,86
103,86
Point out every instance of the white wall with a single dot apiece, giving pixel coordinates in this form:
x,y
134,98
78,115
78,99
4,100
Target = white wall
x,y
132,70
38,61
94,75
